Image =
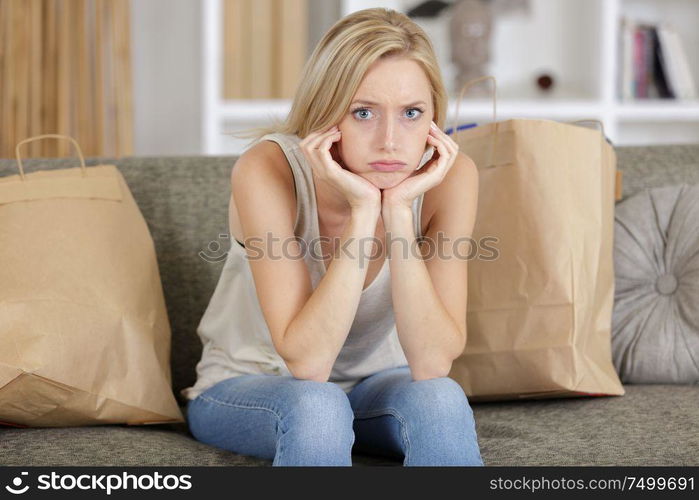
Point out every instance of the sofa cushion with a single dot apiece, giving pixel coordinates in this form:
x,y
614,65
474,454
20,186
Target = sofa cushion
x,y
122,445
649,425
646,167
655,325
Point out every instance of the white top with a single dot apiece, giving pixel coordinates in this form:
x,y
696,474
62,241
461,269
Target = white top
x,y
233,331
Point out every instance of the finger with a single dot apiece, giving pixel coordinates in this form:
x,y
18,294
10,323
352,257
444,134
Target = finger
x,y
313,140
328,139
441,146
451,145
444,154
444,136
315,144
309,138
324,147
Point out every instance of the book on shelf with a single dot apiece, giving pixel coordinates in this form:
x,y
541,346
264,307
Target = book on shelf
x,y
653,63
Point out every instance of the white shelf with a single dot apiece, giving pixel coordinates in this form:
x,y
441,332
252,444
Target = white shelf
x,y
591,62
659,111
245,111
253,111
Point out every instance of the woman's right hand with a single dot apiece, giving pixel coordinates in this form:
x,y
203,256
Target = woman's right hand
x,y
359,192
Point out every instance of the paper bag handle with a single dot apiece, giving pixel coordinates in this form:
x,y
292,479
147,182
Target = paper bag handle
x,y
464,88
591,120
49,136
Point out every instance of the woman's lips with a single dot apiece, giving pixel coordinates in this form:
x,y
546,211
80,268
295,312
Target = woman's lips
x,y
387,167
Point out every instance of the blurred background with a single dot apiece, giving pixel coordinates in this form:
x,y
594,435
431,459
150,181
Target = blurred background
x,y
178,77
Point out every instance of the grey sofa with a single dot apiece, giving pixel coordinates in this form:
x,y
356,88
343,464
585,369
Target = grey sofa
x,y
185,200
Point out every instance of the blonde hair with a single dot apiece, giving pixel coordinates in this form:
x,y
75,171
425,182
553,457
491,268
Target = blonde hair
x,y
332,74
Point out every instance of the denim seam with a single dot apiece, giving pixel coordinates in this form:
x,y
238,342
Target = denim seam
x,y
393,412
212,400
245,407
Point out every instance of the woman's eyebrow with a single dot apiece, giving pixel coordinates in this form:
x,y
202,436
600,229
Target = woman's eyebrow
x,y
362,101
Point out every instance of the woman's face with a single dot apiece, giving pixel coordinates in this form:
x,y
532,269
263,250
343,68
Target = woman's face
x,y
389,119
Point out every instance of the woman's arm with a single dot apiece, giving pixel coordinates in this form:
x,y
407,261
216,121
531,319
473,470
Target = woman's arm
x,y
429,296
319,330
308,327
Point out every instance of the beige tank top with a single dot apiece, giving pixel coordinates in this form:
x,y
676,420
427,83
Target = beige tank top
x,y
235,337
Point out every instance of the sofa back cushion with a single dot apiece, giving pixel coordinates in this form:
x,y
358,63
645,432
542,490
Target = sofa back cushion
x,y
655,336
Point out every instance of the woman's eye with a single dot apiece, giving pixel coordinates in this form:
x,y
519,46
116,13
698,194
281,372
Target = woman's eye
x,y
361,110
364,113
416,110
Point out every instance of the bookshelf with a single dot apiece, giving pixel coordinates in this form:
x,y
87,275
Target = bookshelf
x,y
576,41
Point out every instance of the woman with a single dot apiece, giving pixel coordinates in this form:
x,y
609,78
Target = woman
x,y
304,356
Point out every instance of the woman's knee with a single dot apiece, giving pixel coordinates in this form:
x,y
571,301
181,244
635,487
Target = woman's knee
x,y
316,416
195,418
441,398
321,418
438,416
321,403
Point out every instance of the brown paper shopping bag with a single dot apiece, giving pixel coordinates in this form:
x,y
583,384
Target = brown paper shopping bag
x,y
540,304
84,333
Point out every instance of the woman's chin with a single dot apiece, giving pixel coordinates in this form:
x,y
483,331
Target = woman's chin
x,y
386,180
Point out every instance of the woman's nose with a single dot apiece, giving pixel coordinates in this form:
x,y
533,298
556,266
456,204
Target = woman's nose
x,y
388,132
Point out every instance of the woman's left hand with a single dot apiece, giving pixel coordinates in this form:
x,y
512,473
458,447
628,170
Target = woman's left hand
x,y
429,176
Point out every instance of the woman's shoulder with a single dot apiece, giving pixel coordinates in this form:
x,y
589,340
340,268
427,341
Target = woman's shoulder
x,y
261,170
264,160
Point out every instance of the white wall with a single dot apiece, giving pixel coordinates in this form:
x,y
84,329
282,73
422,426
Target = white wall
x,y
322,14
165,54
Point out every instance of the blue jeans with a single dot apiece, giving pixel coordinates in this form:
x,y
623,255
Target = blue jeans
x,y
304,422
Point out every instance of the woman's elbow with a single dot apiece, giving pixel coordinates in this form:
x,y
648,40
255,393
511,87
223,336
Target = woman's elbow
x,y
307,371
427,371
